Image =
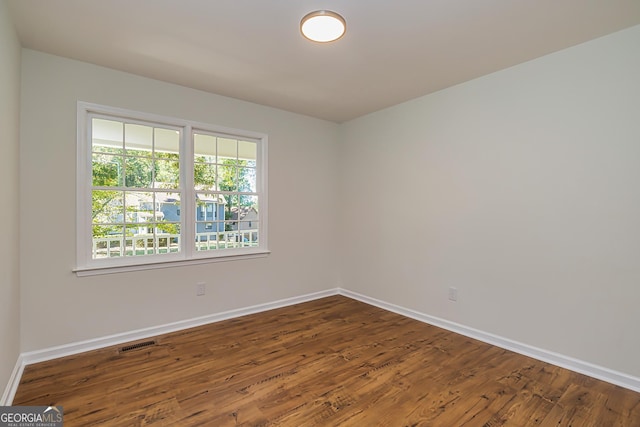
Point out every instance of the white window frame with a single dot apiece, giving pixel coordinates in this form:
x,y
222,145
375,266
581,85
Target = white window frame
x,y
86,265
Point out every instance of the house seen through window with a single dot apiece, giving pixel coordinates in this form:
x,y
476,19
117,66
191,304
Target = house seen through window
x,y
163,190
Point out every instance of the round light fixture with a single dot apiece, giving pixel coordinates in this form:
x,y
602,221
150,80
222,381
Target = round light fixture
x,y
323,26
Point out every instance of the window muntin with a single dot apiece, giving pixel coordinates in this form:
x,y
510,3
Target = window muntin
x,y
153,191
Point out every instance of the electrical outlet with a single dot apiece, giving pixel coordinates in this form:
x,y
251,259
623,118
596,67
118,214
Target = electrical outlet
x,y
200,288
453,294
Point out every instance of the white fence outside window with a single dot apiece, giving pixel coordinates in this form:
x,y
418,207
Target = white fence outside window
x,y
162,243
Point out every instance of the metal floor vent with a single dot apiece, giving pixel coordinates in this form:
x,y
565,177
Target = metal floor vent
x,y
136,346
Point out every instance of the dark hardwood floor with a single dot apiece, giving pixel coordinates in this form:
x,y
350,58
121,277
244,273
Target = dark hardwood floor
x,y
330,362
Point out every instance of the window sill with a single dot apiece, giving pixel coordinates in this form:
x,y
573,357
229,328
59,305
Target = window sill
x,y
96,271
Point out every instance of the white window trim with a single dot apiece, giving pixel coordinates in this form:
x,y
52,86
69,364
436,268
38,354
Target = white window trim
x,y
86,265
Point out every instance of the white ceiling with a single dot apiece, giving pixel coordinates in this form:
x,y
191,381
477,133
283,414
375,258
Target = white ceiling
x,y
252,49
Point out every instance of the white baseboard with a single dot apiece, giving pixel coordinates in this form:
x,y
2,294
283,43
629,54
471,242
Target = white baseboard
x,y
576,365
586,368
12,385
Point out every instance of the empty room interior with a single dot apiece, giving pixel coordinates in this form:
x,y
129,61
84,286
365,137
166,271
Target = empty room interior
x,y
212,219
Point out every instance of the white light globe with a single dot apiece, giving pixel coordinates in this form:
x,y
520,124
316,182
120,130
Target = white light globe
x,y
323,26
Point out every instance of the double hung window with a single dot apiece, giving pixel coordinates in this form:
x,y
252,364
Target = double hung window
x,y
156,190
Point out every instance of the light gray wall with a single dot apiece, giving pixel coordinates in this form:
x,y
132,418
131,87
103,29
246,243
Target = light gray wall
x,y
58,307
520,189
9,143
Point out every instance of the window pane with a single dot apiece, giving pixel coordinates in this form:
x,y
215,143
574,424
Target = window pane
x,y
204,176
227,149
107,241
210,210
204,227
106,136
107,150
247,233
169,207
204,148
107,207
138,172
209,207
227,177
167,174
206,241
249,204
248,225
247,180
244,216
102,231
168,238
248,151
231,205
138,140
167,143
139,207
139,241
106,170
242,223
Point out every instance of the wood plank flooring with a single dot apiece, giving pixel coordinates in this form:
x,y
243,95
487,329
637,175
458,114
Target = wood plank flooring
x,y
329,362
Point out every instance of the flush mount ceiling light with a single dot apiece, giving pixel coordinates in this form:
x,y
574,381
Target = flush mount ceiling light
x,y
323,26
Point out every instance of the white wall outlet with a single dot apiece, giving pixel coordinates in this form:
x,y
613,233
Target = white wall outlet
x,y
200,288
453,294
